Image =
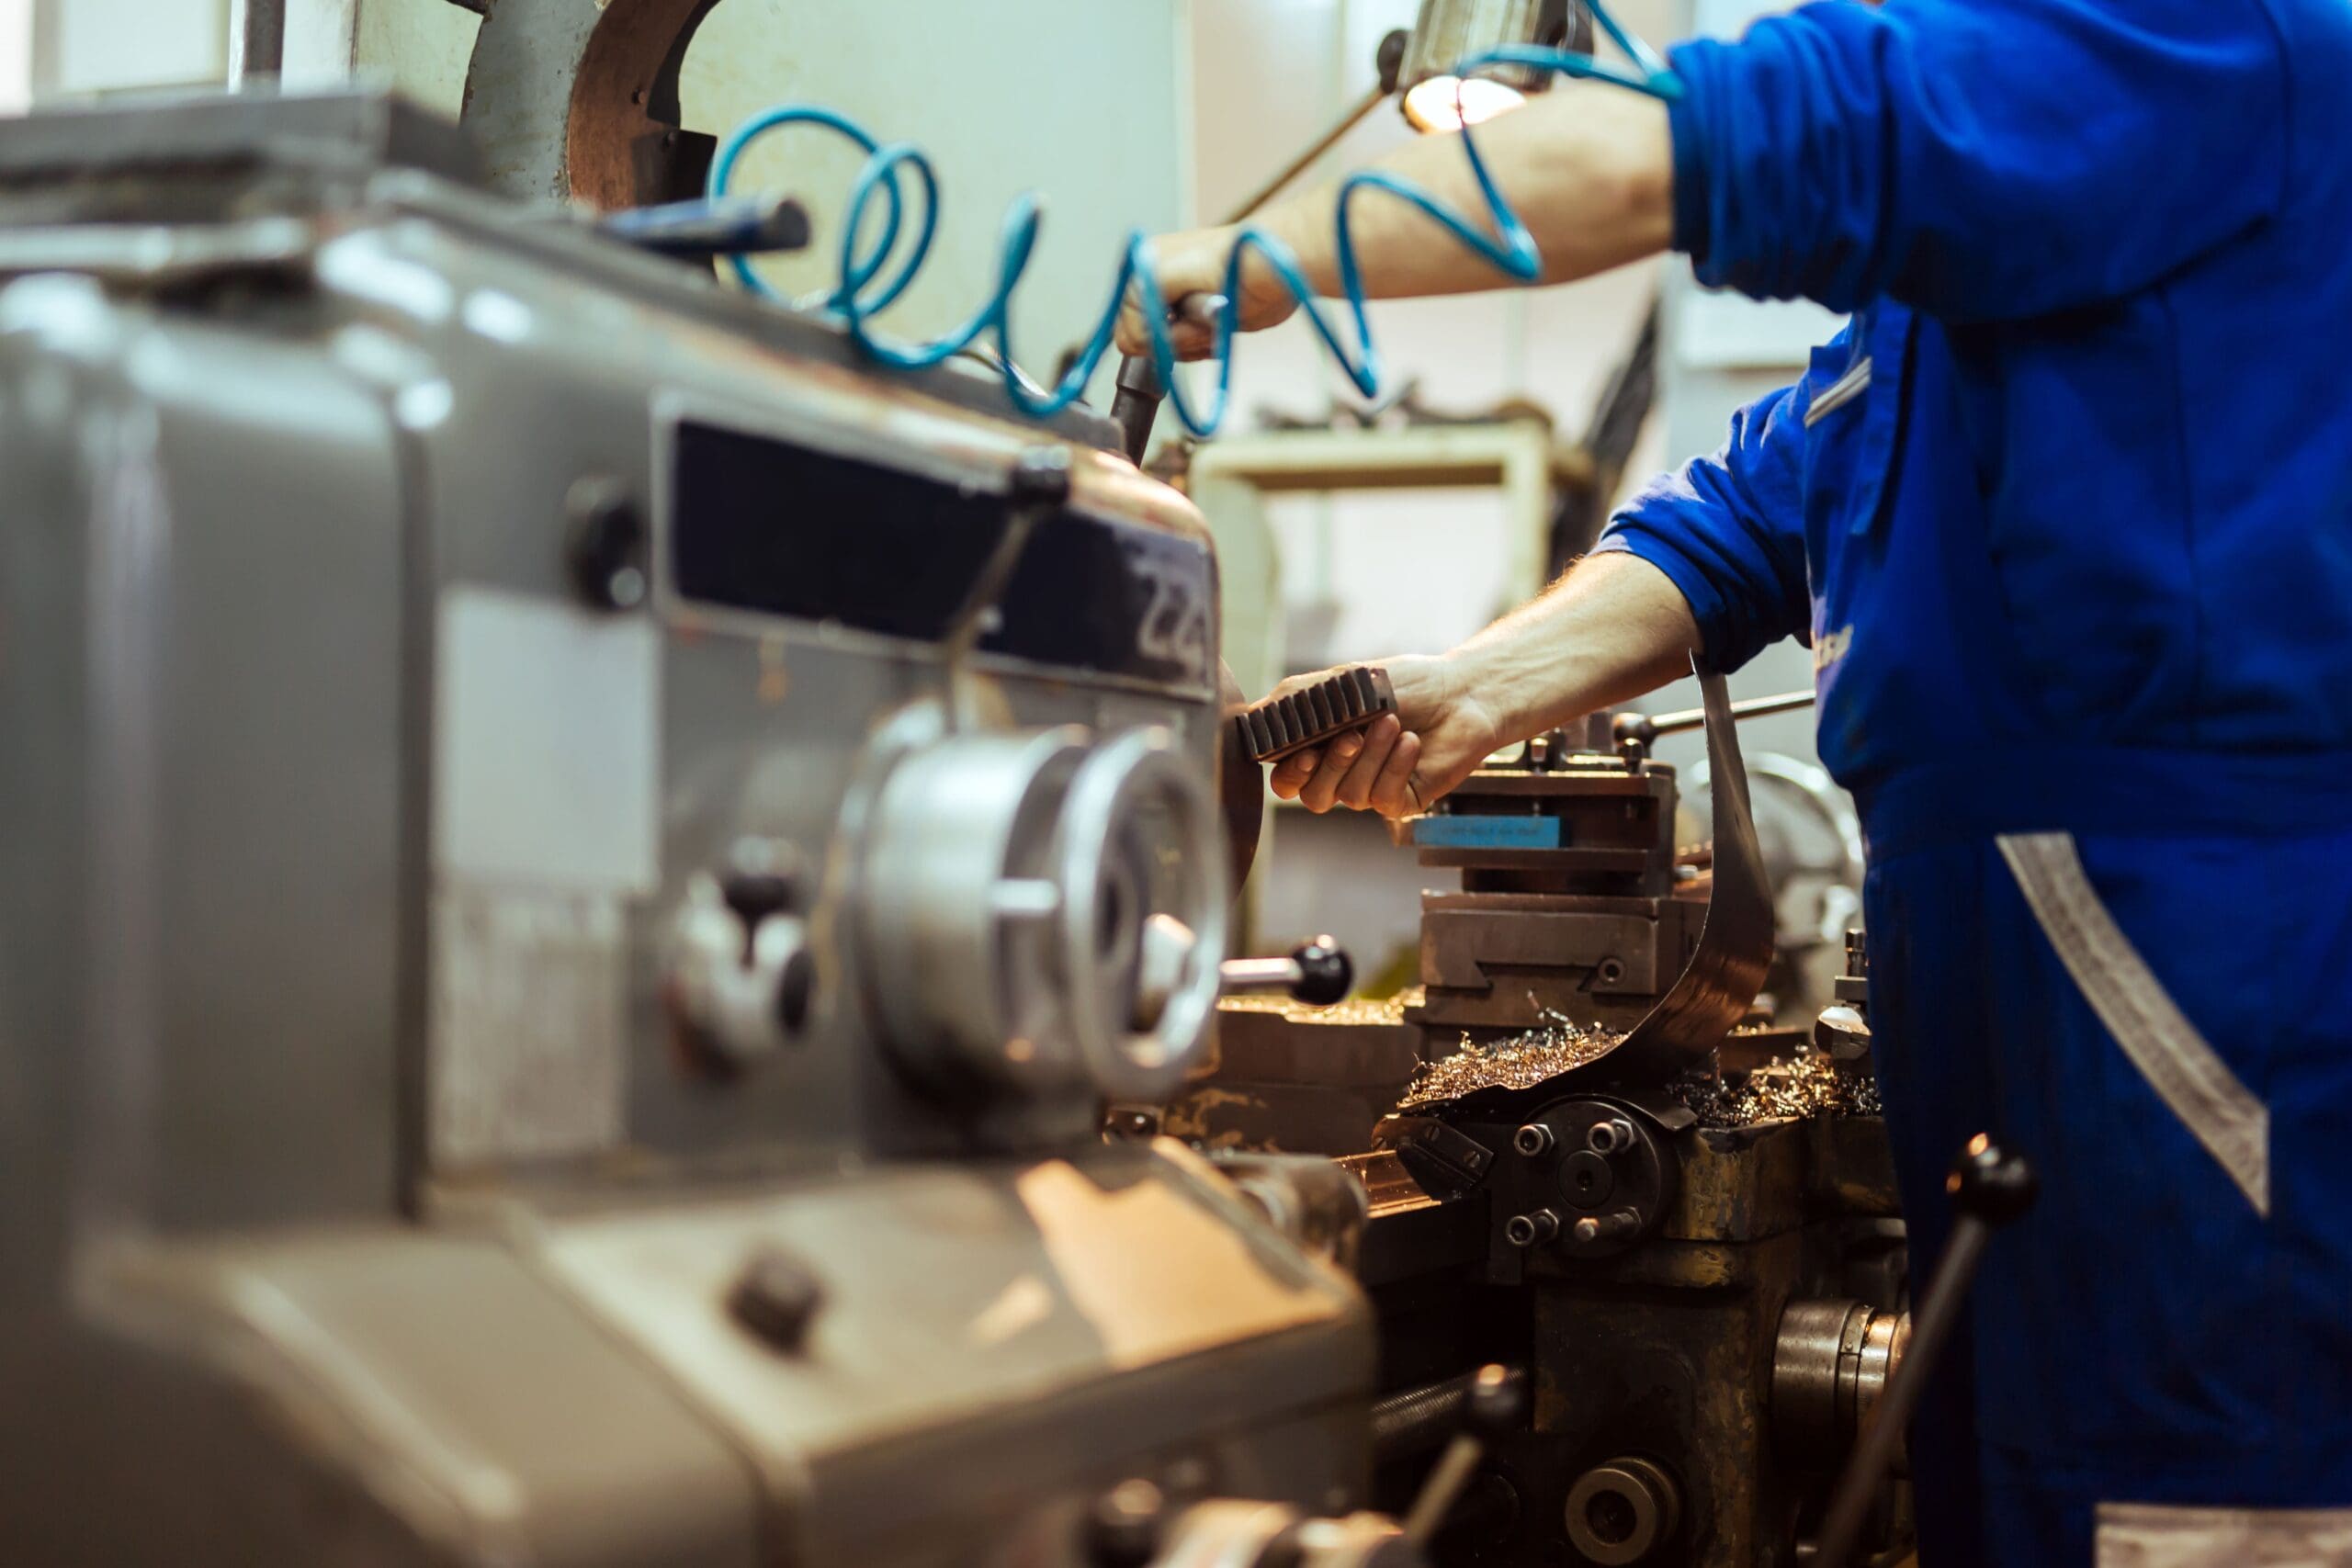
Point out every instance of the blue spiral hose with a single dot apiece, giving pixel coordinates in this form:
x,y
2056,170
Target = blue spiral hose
x,y
869,280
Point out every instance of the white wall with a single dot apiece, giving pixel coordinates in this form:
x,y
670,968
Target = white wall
x,y
1074,99
16,56
80,48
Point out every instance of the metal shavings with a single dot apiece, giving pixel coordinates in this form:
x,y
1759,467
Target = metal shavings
x,y
1355,1010
1785,1088
1521,1061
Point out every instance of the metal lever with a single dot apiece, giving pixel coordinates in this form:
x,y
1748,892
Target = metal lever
x,y
1494,1407
1637,731
1137,392
699,229
1317,972
1989,1186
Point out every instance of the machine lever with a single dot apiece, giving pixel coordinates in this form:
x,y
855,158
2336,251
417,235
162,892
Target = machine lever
x,y
1496,1403
1136,392
1989,1186
1135,403
700,230
1638,730
1317,972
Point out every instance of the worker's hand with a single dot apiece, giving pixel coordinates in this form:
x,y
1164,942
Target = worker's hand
x,y
1193,263
1405,761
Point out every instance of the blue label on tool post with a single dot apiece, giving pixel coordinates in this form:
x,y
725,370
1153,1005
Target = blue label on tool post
x,y
1484,832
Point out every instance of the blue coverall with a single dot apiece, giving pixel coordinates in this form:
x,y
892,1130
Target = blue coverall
x,y
2065,514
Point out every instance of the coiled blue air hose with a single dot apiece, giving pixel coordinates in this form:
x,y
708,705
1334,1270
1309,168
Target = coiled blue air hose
x,y
870,281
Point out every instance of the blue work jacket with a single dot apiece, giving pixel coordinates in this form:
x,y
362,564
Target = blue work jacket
x,y
2065,514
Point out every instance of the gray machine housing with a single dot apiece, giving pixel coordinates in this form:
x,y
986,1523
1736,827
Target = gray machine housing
x,y
384,1182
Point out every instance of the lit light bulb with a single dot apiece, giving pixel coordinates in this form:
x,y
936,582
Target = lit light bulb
x,y
1449,103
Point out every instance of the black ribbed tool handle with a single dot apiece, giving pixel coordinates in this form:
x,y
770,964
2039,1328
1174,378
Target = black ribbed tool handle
x,y
1344,700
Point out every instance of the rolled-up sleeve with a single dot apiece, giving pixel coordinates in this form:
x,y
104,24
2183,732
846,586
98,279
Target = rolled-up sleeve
x,y
1729,531
1977,159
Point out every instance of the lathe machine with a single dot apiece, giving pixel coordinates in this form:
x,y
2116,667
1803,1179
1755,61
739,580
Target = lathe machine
x,y
579,873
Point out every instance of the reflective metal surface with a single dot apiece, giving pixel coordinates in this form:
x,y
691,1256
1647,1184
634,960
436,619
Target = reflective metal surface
x,y
1721,981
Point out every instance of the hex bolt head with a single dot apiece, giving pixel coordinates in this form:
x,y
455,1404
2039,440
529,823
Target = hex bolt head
x,y
1534,1140
1623,1226
1610,1137
1531,1229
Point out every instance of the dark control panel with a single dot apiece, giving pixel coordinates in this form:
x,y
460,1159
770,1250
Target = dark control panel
x,y
767,527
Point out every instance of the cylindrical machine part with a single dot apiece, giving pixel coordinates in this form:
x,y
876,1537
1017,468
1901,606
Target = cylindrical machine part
x,y
1447,32
1531,1229
1613,1137
1413,1420
1832,1361
1043,913
1621,1512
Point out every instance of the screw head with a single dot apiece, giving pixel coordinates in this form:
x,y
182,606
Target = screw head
x,y
776,1297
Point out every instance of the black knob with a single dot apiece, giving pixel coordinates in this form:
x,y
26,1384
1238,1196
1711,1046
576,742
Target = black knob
x,y
1125,1527
756,894
1325,973
1389,61
776,1297
605,553
1990,1183
1498,1401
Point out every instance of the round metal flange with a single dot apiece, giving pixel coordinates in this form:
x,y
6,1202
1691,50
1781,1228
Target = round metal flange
x,y
1138,849
1621,1512
1041,915
1831,1361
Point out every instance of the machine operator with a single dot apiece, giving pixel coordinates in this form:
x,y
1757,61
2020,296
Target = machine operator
x,y
2065,514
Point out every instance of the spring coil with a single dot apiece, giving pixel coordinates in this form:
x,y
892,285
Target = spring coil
x,y
869,279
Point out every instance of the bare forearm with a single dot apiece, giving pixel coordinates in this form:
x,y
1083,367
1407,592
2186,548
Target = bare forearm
x,y
1590,170
1612,629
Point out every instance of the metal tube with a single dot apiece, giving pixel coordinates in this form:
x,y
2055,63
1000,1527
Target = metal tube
x,y
1692,719
1260,973
1416,1418
1439,1493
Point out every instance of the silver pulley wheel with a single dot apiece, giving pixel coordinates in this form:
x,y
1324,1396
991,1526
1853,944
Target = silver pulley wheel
x,y
1143,866
1043,915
